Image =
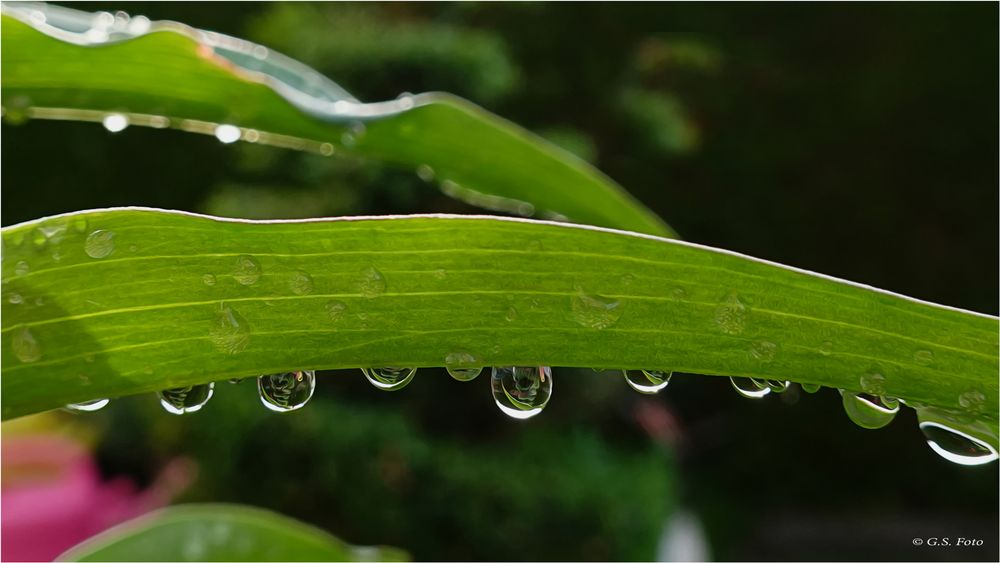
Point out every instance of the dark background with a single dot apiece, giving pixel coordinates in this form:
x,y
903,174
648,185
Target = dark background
x,y
857,140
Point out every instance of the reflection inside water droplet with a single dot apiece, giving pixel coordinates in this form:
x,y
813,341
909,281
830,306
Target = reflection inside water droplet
x,y
521,392
389,379
646,381
184,400
749,387
88,406
286,392
462,366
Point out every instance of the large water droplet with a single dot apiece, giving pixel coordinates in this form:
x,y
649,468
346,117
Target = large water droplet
x,y
731,315
646,381
749,387
26,348
462,366
301,283
389,379
247,270
285,392
227,133
522,392
229,331
88,406
594,311
870,411
372,282
184,400
115,122
956,446
99,244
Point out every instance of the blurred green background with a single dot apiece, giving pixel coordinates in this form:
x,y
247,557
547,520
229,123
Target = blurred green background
x,y
856,140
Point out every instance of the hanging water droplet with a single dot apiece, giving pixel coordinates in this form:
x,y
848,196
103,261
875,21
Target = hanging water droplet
x,y
923,357
26,348
335,309
811,387
229,331
236,380
99,244
22,268
462,366
731,315
247,270
286,392
115,122
88,406
776,385
646,381
956,446
372,282
749,387
301,283
869,411
425,173
227,133
521,392
594,311
184,400
208,279
389,379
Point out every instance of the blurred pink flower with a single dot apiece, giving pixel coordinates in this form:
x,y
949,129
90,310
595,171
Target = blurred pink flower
x,y
53,496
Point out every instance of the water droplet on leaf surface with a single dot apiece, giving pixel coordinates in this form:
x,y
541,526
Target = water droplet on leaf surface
x,y
731,315
22,268
229,331
26,348
301,283
869,411
208,279
521,392
247,270
335,309
972,400
99,244
184,400
286,392
594,311
372,282
923,357
646,381
389,379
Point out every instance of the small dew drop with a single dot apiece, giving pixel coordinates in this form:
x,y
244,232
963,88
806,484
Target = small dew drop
x,y
227,134
185,400
22,268
923,357
372,282
229,331
826,348
811,387
521,392
208,279
326,149
25,347
869,411
462,366
389,379
425,173
115,122
335,309
731,315
512,314
763,350
99,244
644,381
88,406
594,311
301,283
873,383
749,387
972,400
286,392
247,270
15,298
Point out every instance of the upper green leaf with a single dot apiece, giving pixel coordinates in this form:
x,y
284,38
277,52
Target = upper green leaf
x,y
66,66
